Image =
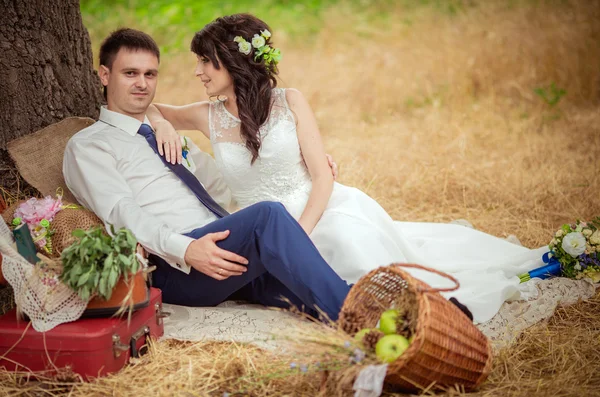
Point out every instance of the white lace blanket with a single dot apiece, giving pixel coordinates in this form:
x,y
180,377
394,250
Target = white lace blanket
x,y
237,322
49,303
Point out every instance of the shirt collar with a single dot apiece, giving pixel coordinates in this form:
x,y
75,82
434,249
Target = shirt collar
x,y
121,121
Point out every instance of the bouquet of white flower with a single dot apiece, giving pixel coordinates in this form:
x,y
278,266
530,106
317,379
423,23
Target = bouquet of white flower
x,y
577,248
574,252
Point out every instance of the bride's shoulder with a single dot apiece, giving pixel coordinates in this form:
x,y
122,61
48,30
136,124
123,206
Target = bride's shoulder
x,y
294,98
284,93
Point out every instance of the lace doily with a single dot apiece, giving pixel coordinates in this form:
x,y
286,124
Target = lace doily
x,y
540,298
249,323
38,292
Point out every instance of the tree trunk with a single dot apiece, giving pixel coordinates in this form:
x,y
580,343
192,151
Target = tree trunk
x,y
46,71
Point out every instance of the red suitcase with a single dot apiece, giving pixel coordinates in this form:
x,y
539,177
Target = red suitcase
x,y
91,347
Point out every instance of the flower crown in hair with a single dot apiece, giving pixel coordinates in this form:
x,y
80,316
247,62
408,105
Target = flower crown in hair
x,y
270,55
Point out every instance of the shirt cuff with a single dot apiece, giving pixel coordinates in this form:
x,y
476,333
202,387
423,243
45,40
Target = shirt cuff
x,y
177,245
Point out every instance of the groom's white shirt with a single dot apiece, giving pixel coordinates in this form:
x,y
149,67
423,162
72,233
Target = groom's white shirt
x,y
113,171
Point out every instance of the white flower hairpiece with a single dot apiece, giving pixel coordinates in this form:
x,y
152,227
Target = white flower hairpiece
x,y
271,56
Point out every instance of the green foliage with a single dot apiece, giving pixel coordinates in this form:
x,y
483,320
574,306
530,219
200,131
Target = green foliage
x,y
172,23
551,95
95,262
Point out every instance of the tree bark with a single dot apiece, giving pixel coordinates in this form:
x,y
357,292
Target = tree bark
x,y
46,70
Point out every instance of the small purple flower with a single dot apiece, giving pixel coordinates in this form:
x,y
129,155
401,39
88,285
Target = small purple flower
x,y
293,365
347,344
359,355
303,367
225,394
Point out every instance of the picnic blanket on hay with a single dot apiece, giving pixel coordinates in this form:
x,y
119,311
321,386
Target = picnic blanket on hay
x,y
39,159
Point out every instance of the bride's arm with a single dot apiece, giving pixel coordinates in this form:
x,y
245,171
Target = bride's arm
x,y
313,152
167,119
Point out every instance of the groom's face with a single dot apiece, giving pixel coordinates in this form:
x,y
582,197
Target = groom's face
x,y
131,82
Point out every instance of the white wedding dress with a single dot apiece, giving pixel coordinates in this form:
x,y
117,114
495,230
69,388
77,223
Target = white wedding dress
x,y
355,234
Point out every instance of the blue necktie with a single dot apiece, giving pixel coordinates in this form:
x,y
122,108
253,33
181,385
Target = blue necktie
x,y
185,175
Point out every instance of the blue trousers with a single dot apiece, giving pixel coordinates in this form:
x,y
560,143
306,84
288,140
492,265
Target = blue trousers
x,y
283,262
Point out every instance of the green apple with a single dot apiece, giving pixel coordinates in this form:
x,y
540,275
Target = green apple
x,y
390,347
361,334
388,320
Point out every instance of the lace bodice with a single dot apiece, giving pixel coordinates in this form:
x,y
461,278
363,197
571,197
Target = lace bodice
x,y
279,173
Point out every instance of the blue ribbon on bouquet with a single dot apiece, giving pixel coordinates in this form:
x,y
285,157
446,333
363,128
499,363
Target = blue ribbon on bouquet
x,y
552,268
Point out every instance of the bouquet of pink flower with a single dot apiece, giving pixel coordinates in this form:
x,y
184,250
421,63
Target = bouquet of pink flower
x,y
574,253
37,215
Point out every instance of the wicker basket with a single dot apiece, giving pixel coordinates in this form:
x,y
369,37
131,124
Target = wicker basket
x,y
447,349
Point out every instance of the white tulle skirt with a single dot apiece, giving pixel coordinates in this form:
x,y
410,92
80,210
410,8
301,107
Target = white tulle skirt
x,y
355,235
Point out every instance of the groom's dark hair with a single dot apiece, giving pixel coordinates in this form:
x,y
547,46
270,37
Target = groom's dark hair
x,y
131,39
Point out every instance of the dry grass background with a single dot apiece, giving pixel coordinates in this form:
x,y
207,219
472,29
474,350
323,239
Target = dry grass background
x,y
436,117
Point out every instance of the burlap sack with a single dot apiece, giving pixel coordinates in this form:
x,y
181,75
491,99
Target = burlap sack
x,y
39,156
67,220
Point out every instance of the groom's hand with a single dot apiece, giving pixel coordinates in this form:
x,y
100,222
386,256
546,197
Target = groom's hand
x,y
205,256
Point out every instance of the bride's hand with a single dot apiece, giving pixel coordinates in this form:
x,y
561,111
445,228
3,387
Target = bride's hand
x,y
169,139
332,165
306,229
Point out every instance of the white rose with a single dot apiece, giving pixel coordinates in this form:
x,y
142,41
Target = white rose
x,y
265,33
595,238
587,232
245,47
554,241
574,244
258,41
238,39
559,233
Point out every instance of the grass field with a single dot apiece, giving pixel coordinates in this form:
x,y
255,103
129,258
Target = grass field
x,y
483,110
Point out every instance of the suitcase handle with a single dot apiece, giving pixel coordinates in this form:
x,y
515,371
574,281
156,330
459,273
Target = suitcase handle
x,y
119,347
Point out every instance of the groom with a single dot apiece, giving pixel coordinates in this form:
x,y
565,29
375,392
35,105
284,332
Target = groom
x,y
205,256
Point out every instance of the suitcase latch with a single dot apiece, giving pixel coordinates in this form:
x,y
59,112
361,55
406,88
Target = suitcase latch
x,y
160,314
119,347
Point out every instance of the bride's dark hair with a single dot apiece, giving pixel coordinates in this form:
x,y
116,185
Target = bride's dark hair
x,y
252,80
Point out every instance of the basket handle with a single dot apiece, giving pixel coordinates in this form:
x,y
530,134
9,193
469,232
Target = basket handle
x,y
446,275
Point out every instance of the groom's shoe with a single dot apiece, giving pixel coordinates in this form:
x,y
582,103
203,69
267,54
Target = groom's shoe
x,y
462,308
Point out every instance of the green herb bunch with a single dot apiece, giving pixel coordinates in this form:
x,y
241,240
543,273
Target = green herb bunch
x,y
94,263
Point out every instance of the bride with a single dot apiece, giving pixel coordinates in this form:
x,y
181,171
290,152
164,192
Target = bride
x,y
267,146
